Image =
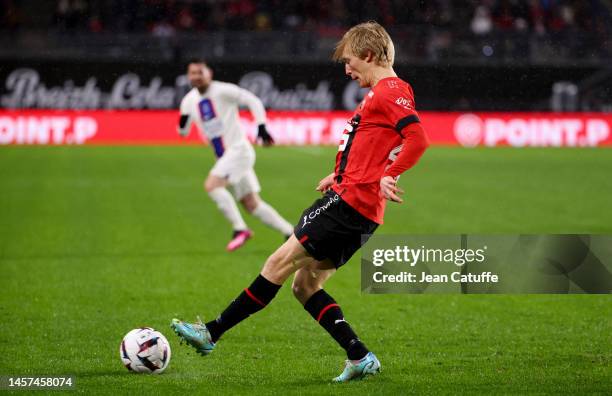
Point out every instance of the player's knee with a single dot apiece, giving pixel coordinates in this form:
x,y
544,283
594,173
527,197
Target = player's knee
x,y
298,290
303,290
208,185
212,183
250,203
251,206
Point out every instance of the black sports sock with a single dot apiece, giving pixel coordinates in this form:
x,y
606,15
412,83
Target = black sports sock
x,y
254,298
327,312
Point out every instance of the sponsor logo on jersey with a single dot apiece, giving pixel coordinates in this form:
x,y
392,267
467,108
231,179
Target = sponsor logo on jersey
x,y
313,214
405,103
207,110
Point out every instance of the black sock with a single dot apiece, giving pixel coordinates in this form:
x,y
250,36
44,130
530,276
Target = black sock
x,y
254,298
324,310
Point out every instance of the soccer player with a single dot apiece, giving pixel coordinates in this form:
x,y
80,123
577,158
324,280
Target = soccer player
x,y
213,105
383,138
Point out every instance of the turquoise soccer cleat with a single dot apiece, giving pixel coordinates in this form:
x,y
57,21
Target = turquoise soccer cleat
x,y
369,365
194,334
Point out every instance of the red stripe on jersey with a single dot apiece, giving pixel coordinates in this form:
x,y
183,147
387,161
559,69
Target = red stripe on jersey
x,y
303,239
327,308
258,301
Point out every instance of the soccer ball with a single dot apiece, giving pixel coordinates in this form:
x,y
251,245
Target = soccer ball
x,y
145,350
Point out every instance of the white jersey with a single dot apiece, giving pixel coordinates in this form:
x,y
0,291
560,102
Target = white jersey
x,y
215,112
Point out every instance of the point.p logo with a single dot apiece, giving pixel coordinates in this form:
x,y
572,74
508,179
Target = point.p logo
x,y
468,130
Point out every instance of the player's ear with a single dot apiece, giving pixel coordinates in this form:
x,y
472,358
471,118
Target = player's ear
x,y
209,72
369,56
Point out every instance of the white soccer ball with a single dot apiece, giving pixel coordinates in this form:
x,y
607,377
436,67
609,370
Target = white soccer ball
x,y
145,350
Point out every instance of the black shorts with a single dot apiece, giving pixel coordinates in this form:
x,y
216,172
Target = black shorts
x,y
331,229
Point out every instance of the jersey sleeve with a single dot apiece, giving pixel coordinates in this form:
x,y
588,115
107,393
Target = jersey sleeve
x,y
256,107
185,118
414,144
243,97
398,107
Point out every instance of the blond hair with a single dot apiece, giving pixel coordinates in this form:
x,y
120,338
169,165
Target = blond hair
x,y
367,36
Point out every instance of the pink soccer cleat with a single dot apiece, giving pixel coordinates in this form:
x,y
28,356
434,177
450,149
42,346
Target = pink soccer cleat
x,y
239,239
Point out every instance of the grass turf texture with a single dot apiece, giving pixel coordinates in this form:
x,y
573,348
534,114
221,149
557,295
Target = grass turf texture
x,y
95,241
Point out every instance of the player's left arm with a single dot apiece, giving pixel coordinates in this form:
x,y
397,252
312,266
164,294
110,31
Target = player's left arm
x,y
326,183
414,143
185,119
257,109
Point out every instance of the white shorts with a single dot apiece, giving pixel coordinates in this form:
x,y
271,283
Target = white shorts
x,y
236,166
248,184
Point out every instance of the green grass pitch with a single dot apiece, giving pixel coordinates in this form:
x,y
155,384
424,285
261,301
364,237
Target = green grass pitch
x,y
95,241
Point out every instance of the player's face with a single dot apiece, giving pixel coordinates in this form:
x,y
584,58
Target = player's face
x,y
199,75
356,68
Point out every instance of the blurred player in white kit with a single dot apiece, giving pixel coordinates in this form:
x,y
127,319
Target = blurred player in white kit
x,y
213,105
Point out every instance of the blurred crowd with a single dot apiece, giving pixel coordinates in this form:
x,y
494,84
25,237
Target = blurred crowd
x,y
432,29
166,17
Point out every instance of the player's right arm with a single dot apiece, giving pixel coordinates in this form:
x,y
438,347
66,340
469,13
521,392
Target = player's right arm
x,y
185,119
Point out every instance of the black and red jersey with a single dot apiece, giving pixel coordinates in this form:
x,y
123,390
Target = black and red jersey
x,y
376,135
